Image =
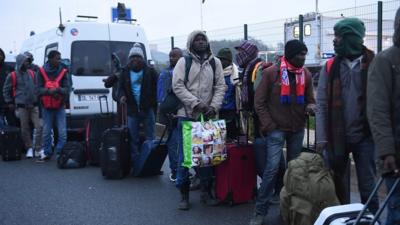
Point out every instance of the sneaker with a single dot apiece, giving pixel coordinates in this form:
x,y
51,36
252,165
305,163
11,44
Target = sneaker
x,y
29,153
172,176
43,158
257,219
39,153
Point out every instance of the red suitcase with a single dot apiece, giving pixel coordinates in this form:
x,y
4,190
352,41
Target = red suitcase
x,y
236,177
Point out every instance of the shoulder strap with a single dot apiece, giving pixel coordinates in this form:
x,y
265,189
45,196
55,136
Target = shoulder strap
x,y
14,83
213,66
61,75
188,64
254,73
44,74
329,64
32,75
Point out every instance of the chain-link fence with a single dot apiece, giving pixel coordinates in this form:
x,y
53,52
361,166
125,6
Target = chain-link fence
x,y
317,33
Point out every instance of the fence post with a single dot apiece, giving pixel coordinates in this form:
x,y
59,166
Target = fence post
x,y
379,30
245,32
301,28
172,42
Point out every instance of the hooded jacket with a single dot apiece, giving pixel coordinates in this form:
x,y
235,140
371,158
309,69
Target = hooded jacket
x,y
26,91
383,94
201,85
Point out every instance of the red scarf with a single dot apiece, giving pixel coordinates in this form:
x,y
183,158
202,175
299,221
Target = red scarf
x,y
285,84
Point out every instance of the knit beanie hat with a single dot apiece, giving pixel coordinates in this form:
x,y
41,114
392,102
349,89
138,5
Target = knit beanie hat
x,y
136,50
225,53
294,47
350,26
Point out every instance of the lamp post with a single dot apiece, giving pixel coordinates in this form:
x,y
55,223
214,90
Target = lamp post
x,y
201,13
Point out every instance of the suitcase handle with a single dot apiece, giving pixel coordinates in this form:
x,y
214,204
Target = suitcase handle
x,y
239,126
101,105
386,200
124,115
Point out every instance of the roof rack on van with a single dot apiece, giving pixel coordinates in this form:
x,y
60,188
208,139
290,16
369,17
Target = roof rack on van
x,y
83,18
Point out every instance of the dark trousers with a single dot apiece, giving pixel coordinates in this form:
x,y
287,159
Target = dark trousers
x,y
364,159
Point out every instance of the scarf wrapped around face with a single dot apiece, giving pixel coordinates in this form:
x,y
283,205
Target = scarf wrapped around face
x,y
285,84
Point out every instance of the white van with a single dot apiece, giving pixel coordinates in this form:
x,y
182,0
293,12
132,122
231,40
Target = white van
x,y
88,46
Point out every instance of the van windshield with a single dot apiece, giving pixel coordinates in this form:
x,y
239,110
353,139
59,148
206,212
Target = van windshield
x,y
93,58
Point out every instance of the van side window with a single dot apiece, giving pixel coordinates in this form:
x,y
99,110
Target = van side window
x,y
93,58
50,47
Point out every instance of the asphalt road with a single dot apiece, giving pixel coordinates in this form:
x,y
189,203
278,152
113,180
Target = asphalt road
x,y
39,193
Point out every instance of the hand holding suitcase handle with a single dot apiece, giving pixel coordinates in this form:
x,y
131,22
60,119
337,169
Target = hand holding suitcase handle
x,y
376,188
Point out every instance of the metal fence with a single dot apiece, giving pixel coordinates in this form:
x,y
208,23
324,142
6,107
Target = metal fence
x,y
316,32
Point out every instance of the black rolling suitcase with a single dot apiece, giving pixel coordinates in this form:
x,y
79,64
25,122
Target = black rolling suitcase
x,y
115,151
151,157
11,143
95,127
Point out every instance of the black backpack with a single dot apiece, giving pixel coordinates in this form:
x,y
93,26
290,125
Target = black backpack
x,y
171,103
72,156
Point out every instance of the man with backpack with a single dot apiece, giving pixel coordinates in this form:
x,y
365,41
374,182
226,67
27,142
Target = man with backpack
x,y
54,87
249,63
20,92
198,82
383,107
282,100
164,88
342,125
137,85
231,99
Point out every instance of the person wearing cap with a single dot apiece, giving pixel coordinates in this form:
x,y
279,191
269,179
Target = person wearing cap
x,y
137,88
342,125
231,99
202,93
383,108
282,100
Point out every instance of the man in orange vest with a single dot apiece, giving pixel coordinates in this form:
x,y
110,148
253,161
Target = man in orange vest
x,y
54,86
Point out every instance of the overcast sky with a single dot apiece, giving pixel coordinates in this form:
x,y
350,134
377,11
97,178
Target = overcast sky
x,y
160,18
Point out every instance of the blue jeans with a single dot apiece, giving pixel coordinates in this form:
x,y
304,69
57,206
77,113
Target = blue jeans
x,y
148,120
393,216
275,141
364,159
205,173
260,146
49,117
172,145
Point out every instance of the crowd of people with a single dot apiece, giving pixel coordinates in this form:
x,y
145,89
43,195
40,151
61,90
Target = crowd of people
x,y
356,105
